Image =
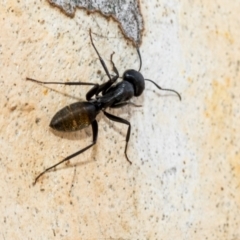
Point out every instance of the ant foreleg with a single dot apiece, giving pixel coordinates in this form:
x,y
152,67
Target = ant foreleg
x,y
114,67
121,120
122,104
95,134
100,58
105,86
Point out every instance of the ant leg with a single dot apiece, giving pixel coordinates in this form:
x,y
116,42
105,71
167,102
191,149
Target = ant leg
x,y
89,94
95,134
121,120
63,83
122,104
134,104
114,67
103,88
101,60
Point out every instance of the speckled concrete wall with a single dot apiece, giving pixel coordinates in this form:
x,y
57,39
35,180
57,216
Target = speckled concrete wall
x,y
185,177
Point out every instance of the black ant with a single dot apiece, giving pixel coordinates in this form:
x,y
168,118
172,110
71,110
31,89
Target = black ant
x,y
79,115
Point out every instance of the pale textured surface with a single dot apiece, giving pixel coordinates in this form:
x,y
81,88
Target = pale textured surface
x,y
185,177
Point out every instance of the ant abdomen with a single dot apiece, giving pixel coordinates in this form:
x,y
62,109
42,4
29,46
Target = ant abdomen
x,y
74,117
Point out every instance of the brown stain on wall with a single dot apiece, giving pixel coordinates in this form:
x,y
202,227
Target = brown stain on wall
x,y
222,140
211,51
219,103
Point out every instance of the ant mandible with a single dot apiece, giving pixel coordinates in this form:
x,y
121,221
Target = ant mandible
x,y
79,115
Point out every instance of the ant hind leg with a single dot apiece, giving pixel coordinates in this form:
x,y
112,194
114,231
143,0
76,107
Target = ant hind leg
x,y
121,120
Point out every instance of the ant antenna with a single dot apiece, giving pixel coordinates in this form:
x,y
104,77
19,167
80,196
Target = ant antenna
x,y
140,58
164,89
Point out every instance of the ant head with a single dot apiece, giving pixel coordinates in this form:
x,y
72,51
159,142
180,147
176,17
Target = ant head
x,y
137,80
